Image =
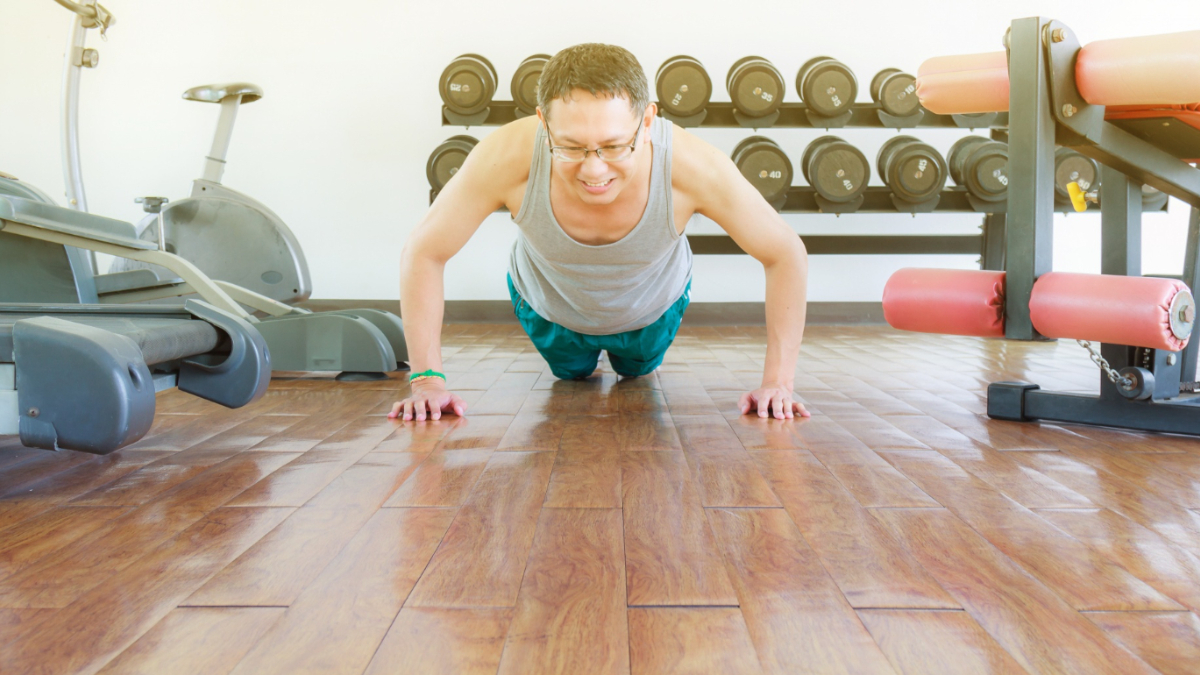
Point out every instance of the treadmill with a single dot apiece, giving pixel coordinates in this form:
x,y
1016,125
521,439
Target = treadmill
x,y
82,375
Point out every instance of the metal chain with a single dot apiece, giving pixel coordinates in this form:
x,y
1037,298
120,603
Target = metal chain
x,y
1113,376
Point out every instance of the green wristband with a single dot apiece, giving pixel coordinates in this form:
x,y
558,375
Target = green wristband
x,y
427,373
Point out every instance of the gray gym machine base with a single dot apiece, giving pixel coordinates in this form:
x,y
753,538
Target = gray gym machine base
x,y
39,241
1042,87
83,377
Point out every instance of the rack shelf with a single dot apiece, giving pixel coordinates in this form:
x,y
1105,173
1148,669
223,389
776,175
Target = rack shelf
x,y
791,115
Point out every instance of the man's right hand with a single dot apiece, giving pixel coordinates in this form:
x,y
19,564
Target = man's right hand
x,y
428,396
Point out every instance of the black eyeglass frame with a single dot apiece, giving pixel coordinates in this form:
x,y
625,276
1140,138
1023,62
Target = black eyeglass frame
x,y
632,146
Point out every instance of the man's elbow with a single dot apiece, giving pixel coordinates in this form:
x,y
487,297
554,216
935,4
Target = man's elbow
x,y
788,253
419,251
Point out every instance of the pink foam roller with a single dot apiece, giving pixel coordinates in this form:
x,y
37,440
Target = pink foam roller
x,y
967,83
1149,70
963,62
953,302
1118,310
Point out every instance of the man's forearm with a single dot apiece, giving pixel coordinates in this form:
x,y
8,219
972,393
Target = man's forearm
x,y
787,288
422,303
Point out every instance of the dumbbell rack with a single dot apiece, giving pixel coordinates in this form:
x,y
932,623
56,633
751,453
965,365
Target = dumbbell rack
x,y
988,244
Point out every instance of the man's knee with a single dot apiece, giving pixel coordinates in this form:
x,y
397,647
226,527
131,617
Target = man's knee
x,y
627,367
572,374
574,369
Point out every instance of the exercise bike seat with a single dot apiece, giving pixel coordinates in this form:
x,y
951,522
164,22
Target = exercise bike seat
x,y
217,93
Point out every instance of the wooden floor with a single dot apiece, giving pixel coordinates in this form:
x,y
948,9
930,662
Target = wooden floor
x,y
599,526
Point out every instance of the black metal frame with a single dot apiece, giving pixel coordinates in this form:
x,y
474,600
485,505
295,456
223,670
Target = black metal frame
x,y
1045,108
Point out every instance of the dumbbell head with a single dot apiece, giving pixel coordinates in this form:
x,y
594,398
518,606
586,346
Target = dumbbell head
x,y
468,84
837,170
1072,167
827,86
1153,199
959,152
765,165
755,86
525,82
683,86
981,165
914,170
895,92
447,158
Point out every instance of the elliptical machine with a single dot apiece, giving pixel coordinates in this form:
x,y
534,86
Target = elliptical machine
x,y
361,343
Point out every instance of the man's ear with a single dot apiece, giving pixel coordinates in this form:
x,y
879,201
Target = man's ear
x,y
648,118
542,119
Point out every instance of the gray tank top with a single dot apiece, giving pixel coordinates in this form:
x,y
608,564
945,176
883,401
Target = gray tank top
x,y
608,288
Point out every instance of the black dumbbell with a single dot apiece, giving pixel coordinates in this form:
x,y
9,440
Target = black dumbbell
x,y
827,85
468,84
447,158
755,86
1072,167
525,83
981,165
914,170
766,166
895,92
683,86
837,170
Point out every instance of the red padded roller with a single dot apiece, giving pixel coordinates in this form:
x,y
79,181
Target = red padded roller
x,y
1145,71
1149,70
954,302
1119,310
967,83
958,63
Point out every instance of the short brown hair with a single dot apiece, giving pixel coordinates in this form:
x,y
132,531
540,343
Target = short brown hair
x,y
602,70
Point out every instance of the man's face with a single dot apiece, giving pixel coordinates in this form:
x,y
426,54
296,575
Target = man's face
x,y
588,121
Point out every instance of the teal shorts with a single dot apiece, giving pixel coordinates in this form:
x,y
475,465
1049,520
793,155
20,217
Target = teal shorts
x,y
573,355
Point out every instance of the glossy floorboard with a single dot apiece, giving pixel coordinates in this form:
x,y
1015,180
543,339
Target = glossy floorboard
x,y
605,526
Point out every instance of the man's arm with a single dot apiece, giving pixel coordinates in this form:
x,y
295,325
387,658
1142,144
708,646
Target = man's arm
x,y
719,192
479,188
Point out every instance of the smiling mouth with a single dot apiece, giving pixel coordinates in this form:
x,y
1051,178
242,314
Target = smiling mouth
x,y
598,185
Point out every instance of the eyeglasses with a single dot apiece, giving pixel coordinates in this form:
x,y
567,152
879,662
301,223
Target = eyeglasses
x,y
609,153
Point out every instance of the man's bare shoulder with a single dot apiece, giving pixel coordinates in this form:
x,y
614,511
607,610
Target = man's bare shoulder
x,y
698,169
505,154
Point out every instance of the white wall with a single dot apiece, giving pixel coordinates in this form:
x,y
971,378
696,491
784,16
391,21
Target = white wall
x,y
339,143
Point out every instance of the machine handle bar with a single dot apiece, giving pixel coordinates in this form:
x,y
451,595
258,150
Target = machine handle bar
x,y
93,13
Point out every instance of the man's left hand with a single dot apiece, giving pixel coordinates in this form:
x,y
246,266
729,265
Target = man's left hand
x,y
772,401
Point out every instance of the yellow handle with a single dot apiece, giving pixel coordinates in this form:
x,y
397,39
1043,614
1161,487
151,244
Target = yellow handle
x,y
1077,197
